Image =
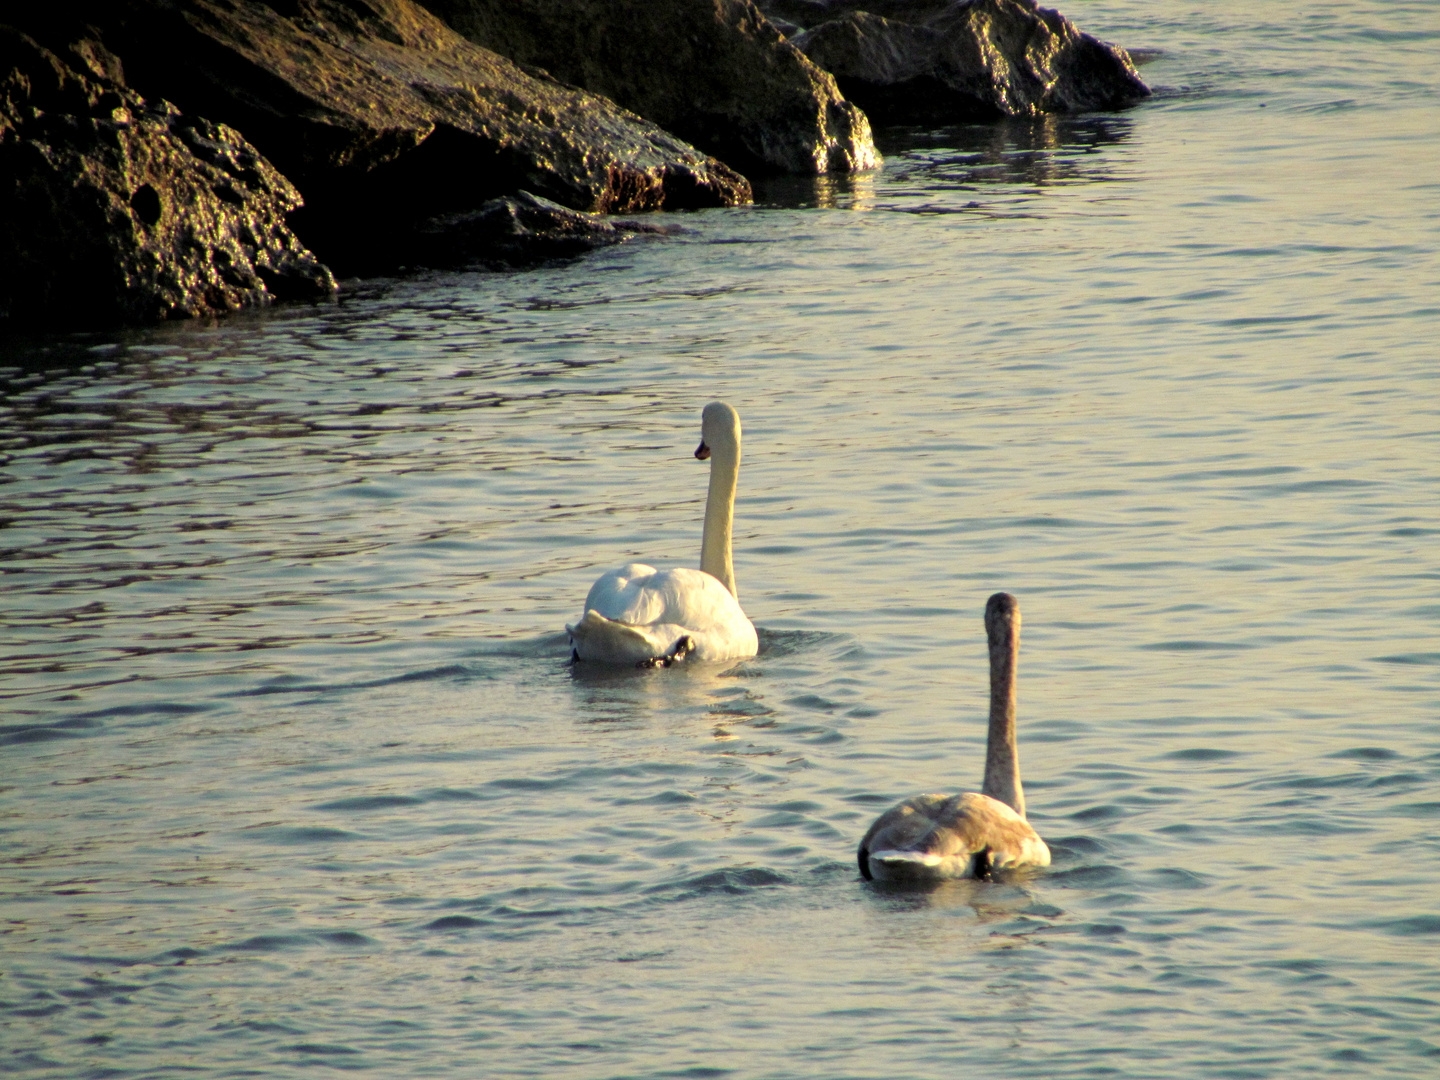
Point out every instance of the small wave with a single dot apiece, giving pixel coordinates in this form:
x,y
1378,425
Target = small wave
x,y
450,795
660,798
263,1027
279,834
1365,753
1199,753
1103,812
1232,474
1309,826
1418,658
321,1049
1195,646
289,685
729,882
776,643
94,989
601,775
349,939
545,646
1090,877
1076,845
1309,783
369,802
103,961
814,703
1304,486
1334,105
13,734
148,708
269,943
1195,834
1411,926
456,922
1175,878
635,958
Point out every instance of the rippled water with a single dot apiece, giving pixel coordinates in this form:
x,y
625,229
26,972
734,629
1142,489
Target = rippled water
x,y
295,773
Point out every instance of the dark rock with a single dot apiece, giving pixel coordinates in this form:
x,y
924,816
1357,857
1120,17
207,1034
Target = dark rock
x,y
715,72
938,61
118,209
384,117
520,229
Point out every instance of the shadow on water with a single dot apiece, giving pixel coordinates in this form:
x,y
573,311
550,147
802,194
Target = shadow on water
x,y
1032,152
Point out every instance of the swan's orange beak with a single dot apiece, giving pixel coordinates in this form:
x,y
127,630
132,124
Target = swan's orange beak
x,y
702,451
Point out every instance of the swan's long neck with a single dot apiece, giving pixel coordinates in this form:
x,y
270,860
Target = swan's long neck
x,y
1002,760
720,515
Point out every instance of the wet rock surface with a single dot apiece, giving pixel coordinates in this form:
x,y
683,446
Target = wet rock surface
x,y
119,209
714,72
383,117
938,61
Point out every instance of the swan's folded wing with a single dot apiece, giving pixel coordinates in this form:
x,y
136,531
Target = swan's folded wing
x,y
594,637
640,595
1012,841
942,834
666,604
621,595
926,824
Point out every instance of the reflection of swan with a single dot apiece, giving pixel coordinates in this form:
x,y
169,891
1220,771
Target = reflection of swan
x,y
931,837
652,618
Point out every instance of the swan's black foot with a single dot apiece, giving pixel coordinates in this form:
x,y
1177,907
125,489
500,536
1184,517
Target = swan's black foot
x,y
683,648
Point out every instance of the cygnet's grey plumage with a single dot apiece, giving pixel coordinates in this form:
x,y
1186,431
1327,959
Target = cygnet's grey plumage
x,y
972,834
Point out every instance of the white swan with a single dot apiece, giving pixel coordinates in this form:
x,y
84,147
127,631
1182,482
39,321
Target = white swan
x,y
931,837
652,618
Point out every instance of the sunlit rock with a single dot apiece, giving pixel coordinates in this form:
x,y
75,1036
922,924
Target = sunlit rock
x,y
384,117
714,72
917,61
115,208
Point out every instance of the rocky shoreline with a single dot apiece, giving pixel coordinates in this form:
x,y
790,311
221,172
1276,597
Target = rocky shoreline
x,y
165,159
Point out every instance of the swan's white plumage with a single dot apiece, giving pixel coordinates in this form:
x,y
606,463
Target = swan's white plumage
x,y
931,837
637,614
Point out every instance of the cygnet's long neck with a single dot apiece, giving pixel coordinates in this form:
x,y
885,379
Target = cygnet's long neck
x,y
720,514
1002,760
